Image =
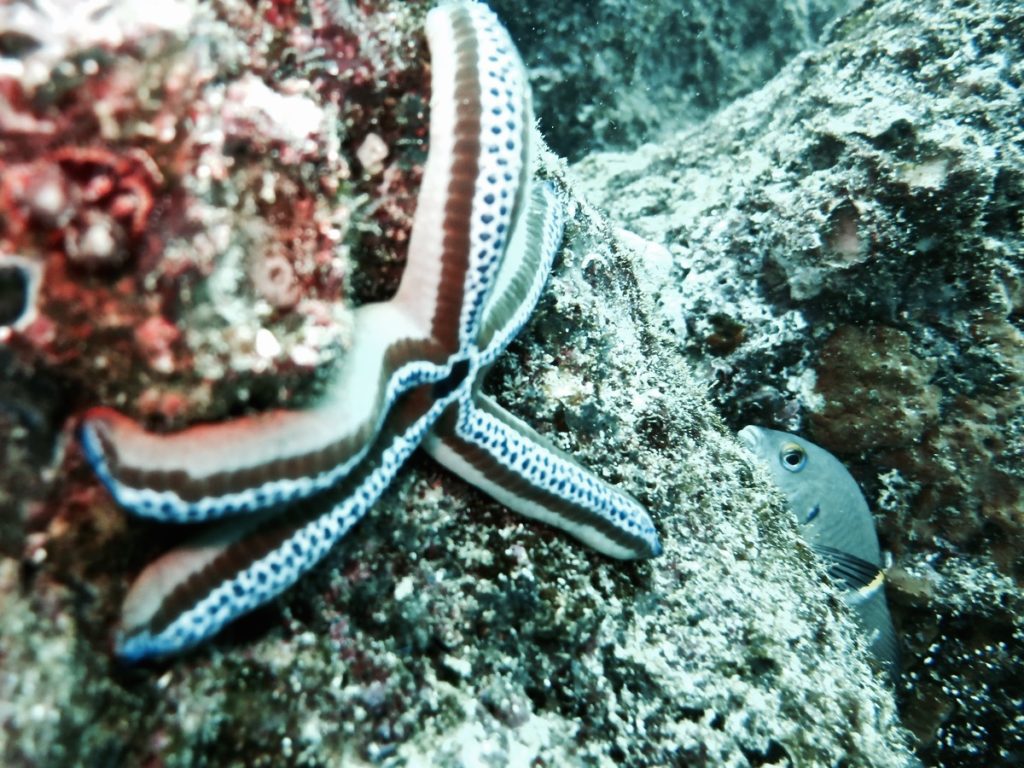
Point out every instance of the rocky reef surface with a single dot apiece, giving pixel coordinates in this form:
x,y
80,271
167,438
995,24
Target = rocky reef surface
x,y
846,260
202,192
615,73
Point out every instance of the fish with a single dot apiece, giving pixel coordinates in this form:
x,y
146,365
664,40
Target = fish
x,y
836,523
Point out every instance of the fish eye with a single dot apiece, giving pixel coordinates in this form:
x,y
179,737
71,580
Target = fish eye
x,y
793,457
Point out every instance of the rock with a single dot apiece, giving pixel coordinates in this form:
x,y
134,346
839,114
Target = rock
x,y
609,74
846,247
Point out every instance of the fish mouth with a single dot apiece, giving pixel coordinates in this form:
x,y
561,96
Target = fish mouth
x,y
750,437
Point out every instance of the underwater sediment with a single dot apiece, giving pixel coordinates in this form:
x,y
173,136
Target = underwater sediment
x,y
207,192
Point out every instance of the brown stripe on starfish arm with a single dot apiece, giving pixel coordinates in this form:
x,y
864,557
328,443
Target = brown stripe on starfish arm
x,y
216,460
251,463
165,586
192,591
470,197
505,458
432,286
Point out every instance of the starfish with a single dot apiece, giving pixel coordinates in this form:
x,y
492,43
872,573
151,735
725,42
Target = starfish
x,y
294,482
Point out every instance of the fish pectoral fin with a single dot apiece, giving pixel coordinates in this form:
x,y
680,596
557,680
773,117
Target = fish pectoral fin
x,y
850,571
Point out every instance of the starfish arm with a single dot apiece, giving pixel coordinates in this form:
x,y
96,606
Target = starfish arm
x,y
251,463
470,199
525,269
191,593
505,458
473,190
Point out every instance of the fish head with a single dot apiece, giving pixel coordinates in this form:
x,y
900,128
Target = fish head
x,y
822,494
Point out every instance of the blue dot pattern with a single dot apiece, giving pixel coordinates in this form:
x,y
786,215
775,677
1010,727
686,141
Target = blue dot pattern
x,y
505,118
168,507
267,577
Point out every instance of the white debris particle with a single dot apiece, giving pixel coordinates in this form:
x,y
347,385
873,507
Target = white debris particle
x,y
459,666
97,244
304,356
565,386
291,119
404,588
371,153
267,345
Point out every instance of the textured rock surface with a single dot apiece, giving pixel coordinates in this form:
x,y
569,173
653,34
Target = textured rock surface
x,y
187,181
846,253
447,630
614,73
